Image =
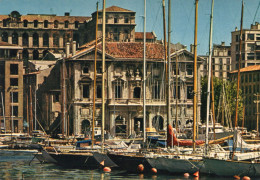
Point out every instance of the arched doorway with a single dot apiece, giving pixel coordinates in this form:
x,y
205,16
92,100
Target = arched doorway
x,y
158,122
138,125
85,126
120,126
25,54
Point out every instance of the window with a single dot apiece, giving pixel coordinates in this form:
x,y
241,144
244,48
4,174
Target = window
x,y
76,24
99,91
35,54
115,20
237,38
250,36
25,23
137,92
13,81
14,97
35,39
156,91
14,38
45,39
118,92
249,89
189,92
25,39
242,78
45,24
55,40
85,70
126,20
250,47
15,111
56,97
56,24
220,61
257,37
14,69
66,24
4,23
35,23
228,61
66,38
179,92
85,91
250,77
189,69
5,37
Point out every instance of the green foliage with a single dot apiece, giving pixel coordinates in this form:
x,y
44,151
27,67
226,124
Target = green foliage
x,y
230,97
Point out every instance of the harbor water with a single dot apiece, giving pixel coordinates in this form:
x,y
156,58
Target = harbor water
x,y
23,165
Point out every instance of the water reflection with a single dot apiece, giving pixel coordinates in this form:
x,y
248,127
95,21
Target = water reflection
x,y
16,165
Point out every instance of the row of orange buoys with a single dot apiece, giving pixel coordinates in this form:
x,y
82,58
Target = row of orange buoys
x,y
244,178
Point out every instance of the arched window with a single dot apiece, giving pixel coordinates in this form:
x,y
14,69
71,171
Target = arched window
x,y
44,53
137,92
35,54
55,40
45,39
35,23
25,23
66,24
35,39
85,126
56,24
25,39
158,122
14,38
25,54
45,24
66,38
5,37
76,24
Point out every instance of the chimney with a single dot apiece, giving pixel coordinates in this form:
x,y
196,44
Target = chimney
x,y
66,14
235,28
67,49
222,43
74,48
192,48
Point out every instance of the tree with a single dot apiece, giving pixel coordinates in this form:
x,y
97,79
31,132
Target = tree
x,y
230,100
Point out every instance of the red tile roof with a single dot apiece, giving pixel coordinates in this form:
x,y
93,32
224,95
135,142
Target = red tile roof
x,y
50,18
116,9
248,69
140,35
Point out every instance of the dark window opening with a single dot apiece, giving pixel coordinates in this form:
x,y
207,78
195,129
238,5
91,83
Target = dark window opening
x,y
14,97
4,23
56,24
76,24
158,122
85,91
46,39
126,20
189,92
118,92
66,24
189,69
85,70
99,91
25,39
45,24
35,23
35,39
25,23
14,69
115,20
55,40
13,81
14,38
5,37
35,55
56,97
156,91
137,92
25,54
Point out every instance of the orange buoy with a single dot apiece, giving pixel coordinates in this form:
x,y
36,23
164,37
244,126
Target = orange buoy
x,y
154,170
186,174
246,178
140,168
236,177
106,169
196,174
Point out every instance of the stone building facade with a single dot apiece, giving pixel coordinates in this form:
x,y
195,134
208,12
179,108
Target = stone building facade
x,y
250,46
11,88
124,84
221,61
41,33
250,86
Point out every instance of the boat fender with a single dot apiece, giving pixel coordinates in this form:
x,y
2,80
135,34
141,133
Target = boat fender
x,y
246,178
196,174
154,170
236,177
106,169
140,168
186,174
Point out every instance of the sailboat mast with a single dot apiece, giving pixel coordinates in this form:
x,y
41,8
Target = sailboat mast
x,y
144,76
239,62
94,86
195,77
103,73
63,98
3,108
169,67
209,76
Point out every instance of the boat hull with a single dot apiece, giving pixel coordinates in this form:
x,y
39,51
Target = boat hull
x,y
232,168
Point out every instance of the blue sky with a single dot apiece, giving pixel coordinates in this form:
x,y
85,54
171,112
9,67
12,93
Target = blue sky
x,y
226,16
